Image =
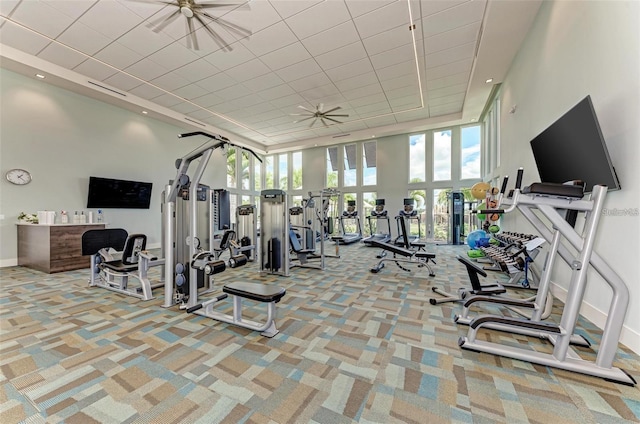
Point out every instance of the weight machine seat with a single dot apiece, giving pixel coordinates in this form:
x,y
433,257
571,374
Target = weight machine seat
x,y
556,190
135,244
255,291
295,243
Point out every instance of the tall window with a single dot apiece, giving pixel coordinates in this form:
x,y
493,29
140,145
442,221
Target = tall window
x,y
369,170
417,157
442,155
350,225
245,171
269,176
350,172
416,226
440,214
369,204
296,171
231,167
470,152
332,167
283,169
257,172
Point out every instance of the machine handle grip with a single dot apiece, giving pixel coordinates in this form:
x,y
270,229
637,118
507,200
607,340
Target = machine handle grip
x,y
194,308
503,189
519,178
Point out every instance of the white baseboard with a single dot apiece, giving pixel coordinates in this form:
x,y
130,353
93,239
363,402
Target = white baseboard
x,y
628,337
8,262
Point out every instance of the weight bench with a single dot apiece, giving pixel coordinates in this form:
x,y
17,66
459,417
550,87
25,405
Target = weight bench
x,y
403,255
253,291
473,270
116,256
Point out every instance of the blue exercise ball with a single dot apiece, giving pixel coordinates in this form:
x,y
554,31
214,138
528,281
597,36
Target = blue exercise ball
x,y
474,238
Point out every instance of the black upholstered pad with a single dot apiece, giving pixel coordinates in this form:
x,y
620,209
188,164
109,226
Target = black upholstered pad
x,y
118,266
255,291
425,255
552,189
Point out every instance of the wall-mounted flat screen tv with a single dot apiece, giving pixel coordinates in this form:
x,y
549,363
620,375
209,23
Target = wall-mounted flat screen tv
x,y
122,194
573,148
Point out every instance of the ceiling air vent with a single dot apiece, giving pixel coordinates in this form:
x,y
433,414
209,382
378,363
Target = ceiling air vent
x,y
107,88
340,135
195,122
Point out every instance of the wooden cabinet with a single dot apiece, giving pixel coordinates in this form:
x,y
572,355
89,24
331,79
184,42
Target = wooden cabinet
x,y
53,248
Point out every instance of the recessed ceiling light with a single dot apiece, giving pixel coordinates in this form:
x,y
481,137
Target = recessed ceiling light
x,y
40,76
144,112
373,136
472,120
489,80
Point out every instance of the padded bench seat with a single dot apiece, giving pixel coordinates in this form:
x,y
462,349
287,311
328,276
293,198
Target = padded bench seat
x,y
255,291
425,255
119,266
555,190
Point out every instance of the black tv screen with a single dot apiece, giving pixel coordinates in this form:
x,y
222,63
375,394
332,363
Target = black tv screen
x,y
123,194
573,148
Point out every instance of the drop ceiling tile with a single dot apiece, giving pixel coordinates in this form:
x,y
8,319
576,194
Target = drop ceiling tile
x,y
19,38
402,92
349,70
258,16
293,99
352,126
393,57
263,82
233,92
363,101
367,90
72,8
399,82
318,18
445,110
144,41
36,14
407,102
429,7
412,115
320,94
388,40
286,56
385,18
455,54
142,9
460,78
225,60
447,91
299,70
146,91
94,69
269,39
208,100
199,114
333,38
252,69
380,121
287,8
379,107
123,82
357,81
146,70
197,70
342,56
456,37
118,55
448,69
83,38
463,14
217,82
407,68
110,18
357,8
276,92
190,91
312,81
173,56
62,56
7,6
444,100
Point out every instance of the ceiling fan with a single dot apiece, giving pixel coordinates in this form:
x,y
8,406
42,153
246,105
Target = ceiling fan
x,y
191,10
323,116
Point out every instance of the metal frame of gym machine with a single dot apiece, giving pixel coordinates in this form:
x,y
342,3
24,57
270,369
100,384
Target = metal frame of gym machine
x,y
548,205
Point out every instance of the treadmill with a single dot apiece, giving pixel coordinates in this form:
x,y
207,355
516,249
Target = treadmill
x,y
407,214
378,214
350,214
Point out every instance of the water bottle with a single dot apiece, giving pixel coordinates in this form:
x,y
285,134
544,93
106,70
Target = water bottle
x,y
100,216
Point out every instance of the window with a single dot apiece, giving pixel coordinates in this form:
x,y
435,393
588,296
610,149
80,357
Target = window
x,y
246,199
350,224
492,138
440,214
233,205
296,201
369,204
417,156
283,169
231,167
296,171
369,170
442,155
332,167
269,177
470,152
245,171
416,226
350,172
257,172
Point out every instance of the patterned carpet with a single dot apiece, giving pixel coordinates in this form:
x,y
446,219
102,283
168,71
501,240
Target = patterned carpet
x,y
353,347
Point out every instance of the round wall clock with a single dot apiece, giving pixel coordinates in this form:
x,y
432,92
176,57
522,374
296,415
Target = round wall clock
x,y
18,176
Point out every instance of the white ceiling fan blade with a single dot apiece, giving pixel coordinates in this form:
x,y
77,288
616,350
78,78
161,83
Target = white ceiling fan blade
x,y
302,120
335,115
156,1
323,122
219,41
308,110
314,121
192,39
319,107
331,119
243,32
159,24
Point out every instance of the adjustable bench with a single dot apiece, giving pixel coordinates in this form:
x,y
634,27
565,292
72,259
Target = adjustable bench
x,y
240,290
406,256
